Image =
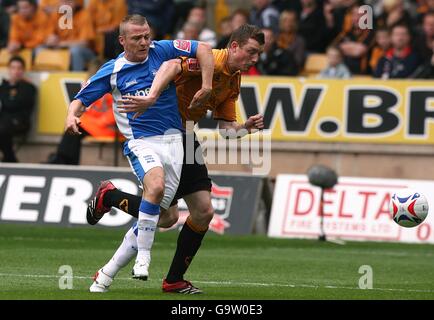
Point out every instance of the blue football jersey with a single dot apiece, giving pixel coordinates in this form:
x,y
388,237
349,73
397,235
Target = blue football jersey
x,y
122,77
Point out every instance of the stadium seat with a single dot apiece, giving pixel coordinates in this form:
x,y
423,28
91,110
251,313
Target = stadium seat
x,y
315,62
26,54
52,60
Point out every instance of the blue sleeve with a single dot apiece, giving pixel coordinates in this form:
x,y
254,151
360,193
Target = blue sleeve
x,y
97,86
171,49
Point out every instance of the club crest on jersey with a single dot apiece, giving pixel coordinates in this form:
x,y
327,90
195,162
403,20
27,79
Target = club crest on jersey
x,y
193,65
183,45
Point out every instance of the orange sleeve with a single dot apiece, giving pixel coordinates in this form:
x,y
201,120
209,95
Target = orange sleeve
x,y
121,12
42,31
13,32
93,8
53,20
84,23
190,67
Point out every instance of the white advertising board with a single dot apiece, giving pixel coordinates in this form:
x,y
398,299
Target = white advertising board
x,y
355,209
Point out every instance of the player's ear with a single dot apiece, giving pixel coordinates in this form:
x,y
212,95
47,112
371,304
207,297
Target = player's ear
x,y
233,45
122,40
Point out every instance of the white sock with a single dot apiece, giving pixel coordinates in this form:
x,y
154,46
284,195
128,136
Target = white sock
x,y
123,255
147,224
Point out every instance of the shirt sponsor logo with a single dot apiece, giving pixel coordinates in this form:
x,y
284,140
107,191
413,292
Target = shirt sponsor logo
x,y
183,45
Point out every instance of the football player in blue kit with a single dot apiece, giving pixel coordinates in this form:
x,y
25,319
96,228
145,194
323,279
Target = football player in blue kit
x,y
153,146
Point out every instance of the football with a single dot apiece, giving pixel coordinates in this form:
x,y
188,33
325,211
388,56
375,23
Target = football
x,y
408,208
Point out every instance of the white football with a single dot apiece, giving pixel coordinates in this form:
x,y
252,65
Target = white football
x,y
408,208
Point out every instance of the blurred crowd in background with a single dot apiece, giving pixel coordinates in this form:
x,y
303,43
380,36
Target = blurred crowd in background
x,y
399,44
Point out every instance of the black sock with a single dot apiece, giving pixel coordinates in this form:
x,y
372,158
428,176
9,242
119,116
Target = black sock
x,y
189,242
127,202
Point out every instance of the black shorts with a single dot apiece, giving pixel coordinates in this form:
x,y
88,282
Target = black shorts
x,y
194,176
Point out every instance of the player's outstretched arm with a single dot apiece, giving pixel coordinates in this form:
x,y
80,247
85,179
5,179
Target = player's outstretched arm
x,y
234,130
75,110
206,61
139,104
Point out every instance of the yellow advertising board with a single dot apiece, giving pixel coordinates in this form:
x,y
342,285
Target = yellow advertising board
x,y
356,110
297,109
56,91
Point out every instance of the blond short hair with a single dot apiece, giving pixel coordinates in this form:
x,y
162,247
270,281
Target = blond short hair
x,y
135,19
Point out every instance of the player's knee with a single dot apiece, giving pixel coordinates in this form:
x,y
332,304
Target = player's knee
x,y
204,214
155,189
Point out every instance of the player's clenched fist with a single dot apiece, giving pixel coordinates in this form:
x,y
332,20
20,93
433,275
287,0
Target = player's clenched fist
x,y
254,123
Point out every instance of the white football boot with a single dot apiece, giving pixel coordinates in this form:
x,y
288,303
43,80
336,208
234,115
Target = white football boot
x,y
101,282
140,269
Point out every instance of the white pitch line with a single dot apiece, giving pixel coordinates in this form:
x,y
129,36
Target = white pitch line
x,y
232,283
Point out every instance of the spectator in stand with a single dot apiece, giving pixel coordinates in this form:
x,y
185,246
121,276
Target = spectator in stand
x,y
239,17
10,6
394,13
335,12
79,39
401,60
426,69
275,61
292,5
28,27
158,13
190,31
355,43
182,8
422,8
106,16
289,39
50,7
225,32
265,15
425,38
336,68
17,102
312,26
382,45
4,27
197,16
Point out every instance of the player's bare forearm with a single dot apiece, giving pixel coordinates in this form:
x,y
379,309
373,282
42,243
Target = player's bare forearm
x,y
75,110
233,129
165,74
206,61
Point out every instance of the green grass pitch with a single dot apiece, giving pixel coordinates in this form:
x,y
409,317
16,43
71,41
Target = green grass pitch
x,y
226,267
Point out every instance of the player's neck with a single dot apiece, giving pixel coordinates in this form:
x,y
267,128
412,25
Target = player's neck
x,y
133,59
230,66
